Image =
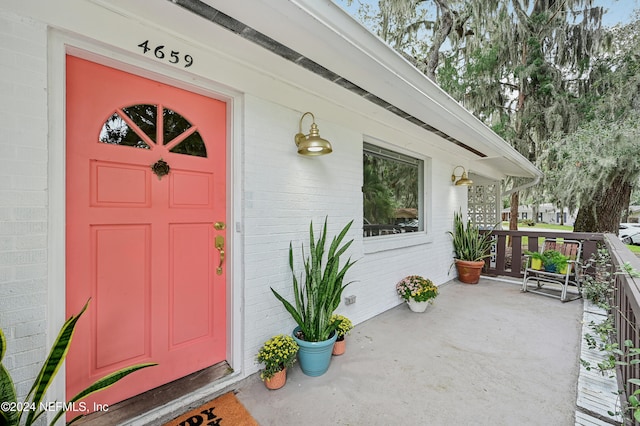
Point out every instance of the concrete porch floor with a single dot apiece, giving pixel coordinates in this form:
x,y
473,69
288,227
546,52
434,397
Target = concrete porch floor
x,y
483,354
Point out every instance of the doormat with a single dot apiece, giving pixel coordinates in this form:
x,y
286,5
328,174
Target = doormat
x,y
222,411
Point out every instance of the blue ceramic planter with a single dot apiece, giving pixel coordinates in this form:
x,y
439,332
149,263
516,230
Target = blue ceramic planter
x,y
314,357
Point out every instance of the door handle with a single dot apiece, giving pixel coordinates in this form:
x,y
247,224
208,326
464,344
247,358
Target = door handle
x,y
220,248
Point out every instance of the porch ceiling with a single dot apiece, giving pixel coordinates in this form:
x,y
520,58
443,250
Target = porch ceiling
x,y
291,39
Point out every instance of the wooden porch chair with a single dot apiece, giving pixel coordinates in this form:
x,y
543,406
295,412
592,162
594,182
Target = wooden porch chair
x,y
573,275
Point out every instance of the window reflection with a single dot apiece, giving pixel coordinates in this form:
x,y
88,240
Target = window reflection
x,y
392,192
192,145
116,131
145,117
174,125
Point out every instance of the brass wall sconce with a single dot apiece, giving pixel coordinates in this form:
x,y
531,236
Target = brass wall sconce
x,y
311,144
464,180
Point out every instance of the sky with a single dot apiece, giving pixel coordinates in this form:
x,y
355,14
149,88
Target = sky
x,y
617,11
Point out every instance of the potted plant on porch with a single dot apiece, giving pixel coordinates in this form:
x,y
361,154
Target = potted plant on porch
x,y
316,298
277,354
554,261
344,326
549,260
417,291
534,260
471,248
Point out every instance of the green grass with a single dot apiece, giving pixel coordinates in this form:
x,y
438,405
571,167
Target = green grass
x,y
634,249
538,226
553,226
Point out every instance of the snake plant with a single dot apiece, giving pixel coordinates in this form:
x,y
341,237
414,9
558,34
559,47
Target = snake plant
x,y
35,406
468,243
319,295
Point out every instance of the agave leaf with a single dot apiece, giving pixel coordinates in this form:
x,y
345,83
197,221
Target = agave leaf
x,y
54,361
298,295
3,345
4,420
45,377
468,242
317,298
104,383
338,239
7,394
290,308
7,388
110,379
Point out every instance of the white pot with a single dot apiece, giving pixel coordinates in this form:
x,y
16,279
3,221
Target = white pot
x,y
417,306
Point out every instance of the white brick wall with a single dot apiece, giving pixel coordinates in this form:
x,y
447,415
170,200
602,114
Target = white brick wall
x,y
281,193
23,196
284,191
378,272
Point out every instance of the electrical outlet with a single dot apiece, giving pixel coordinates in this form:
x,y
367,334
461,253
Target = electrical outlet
x,y
350,300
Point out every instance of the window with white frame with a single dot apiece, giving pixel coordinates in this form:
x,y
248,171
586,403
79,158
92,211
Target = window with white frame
x,y
392,192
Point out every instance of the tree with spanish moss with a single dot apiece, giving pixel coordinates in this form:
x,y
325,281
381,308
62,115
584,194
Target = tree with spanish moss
x,y
596,168
520,65
523,70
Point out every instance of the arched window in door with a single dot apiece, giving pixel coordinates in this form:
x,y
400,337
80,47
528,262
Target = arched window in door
x,y
146,126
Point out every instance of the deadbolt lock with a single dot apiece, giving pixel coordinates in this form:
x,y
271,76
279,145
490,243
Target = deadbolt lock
x,y
219,226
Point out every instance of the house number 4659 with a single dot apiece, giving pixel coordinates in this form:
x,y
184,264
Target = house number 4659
x,y
161,52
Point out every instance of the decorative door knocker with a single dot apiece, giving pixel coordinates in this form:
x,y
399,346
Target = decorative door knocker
x,y
160,168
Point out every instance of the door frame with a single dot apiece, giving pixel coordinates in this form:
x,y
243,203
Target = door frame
x,y
62,43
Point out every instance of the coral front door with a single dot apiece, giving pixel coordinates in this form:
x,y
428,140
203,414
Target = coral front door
x,y
145,229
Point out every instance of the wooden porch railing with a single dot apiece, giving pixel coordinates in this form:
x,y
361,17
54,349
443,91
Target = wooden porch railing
x,y
625,309
507,259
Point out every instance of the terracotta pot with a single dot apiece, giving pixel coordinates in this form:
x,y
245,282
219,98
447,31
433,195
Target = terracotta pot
x,y
469,271
339,347
277,381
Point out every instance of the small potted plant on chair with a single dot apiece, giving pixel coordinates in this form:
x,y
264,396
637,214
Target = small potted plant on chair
x,y
277,354
343,328
554,261
417,291
537,260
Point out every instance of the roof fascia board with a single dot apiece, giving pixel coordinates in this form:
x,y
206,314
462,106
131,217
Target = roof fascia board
x,y
417,96
306,55
354,33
